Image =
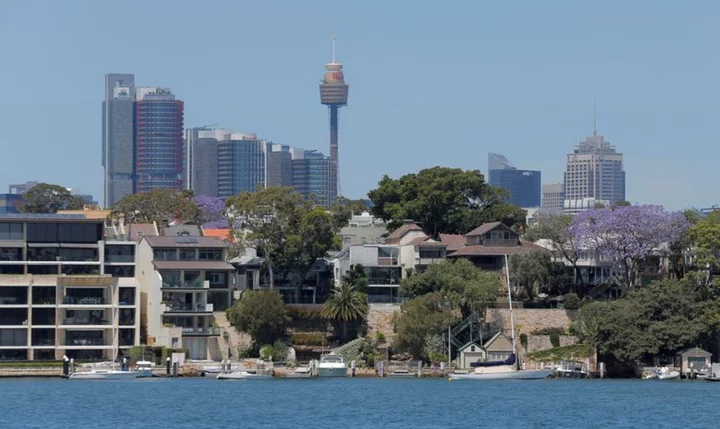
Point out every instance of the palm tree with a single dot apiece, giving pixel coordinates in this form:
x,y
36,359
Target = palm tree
x,y
346,304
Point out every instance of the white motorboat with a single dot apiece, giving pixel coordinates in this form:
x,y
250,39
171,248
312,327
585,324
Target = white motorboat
x,y
242,375
144,369
668,374
103,374
332,365
502,370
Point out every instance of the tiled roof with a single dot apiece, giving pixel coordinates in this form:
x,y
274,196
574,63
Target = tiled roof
x,y
482,229
139,230
525,247
182,230
221,233
400,232
426,242
453,241
205,242
193,265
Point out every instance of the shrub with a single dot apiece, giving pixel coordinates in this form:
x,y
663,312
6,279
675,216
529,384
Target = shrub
x,y
261,314
573,351
279,351
308,339
380,337
266,351
571,301
243,352
555,340
549,331
300,313
524,341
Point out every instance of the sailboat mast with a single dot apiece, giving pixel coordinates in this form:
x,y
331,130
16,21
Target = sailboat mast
x,y
512,320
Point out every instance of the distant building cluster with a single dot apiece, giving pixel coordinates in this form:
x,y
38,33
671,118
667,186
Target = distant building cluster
x,y
11,202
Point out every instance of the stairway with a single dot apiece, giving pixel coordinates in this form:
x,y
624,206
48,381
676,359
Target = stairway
x,y
235,340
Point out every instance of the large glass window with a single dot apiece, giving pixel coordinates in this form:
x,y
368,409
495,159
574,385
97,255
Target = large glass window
x,y
383,275
80,232
127,296
42,233
13,337
188,255
43,337
120,270
43,254
11,231
211,254
10,254
44,269
218,279
86,338
171,278
13,295
14,316
78,255
12,269
192,279
43,295
127,317
43,316
119,253
165,254
77,270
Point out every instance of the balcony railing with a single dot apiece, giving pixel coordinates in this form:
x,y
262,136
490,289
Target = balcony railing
x,y
83,301
43,342
87,342
201,331
384,299
387,261
428,261
85,321
197,284
119,258
176,307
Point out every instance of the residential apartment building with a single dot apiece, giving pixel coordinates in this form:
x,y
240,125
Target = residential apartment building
x,y
522,185
64,290
595,170
363,229
184,279
553,196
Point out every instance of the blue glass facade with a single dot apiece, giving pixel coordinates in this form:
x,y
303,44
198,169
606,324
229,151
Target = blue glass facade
x,y
524,186
241,166
10,203
315,174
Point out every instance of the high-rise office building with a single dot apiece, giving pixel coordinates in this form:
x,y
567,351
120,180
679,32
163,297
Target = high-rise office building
x,y
522,185
334,94
314,174
553,196
241,164
118,140
595,170
202,160
21,188
279,165
158,139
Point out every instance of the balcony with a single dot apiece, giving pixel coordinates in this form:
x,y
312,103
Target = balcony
x,y
201,331
85,342
176,284
428,261
172,307
85,321
70,300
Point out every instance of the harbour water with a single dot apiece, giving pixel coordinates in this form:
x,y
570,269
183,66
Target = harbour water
x,y
357,403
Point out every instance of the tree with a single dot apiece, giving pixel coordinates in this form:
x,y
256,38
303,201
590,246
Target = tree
x,y
627,235
284,229
47,198
357,277
441,199
429,314
588,322
705,236
467,288
212,210
344,208
159,206
345,306
262,315
530,270
556,229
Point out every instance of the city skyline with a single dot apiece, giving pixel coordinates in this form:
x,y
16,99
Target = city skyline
x,y
521,88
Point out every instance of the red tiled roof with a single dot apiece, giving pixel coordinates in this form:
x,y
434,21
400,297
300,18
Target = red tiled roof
x,y
396,235
482,229
139,230
478,250
453,241
221,233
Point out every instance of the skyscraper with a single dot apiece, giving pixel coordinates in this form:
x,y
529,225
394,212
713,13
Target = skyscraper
x,y
314,174
159,142
553,196
118,140
202,164
595,170
334,94
522,185
279,165
241,164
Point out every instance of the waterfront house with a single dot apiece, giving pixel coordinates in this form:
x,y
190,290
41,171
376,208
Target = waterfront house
x,y
183,281
695,360
498,347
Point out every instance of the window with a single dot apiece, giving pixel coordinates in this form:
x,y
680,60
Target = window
x,y
165,255
187,255
217,278
121,253
192,279
11,254
211,255
11,231
472,348
120,271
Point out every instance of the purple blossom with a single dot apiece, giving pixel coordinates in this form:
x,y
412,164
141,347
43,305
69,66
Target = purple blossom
x,y
212,209
626,235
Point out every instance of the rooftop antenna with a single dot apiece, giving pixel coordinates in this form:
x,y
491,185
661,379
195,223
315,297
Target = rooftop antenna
x,y
333,57
594,119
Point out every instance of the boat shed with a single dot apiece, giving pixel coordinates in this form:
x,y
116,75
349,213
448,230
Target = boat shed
x,y
695,360
470,353
499,347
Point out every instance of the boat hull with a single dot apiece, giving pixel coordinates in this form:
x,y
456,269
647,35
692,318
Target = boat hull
x,y
672,375
332,372
144,373
242,376
508,375
103,375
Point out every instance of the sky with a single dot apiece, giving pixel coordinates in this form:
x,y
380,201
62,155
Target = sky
x,y
431,83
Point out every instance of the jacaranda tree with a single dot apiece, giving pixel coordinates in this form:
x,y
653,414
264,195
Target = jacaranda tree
x,y
628,234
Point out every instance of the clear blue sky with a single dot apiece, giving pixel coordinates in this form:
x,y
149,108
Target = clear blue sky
x,y
431,83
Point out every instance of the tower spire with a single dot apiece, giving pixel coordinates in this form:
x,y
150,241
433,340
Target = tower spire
x,y
333,52
594,118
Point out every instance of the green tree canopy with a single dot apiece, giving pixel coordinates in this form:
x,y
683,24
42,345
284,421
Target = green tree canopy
x,y
426,315
556,229
467,287
287,231
262,315
443,200
344,208
705,235
159,206
47,198
530,271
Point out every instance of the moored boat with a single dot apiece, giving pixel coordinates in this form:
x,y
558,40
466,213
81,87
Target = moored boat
x,y
144,369
332,365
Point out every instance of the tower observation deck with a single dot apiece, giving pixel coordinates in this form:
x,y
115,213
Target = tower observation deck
x,y
334,94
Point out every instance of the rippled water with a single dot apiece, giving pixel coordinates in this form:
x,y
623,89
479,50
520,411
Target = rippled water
x,y
358,403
